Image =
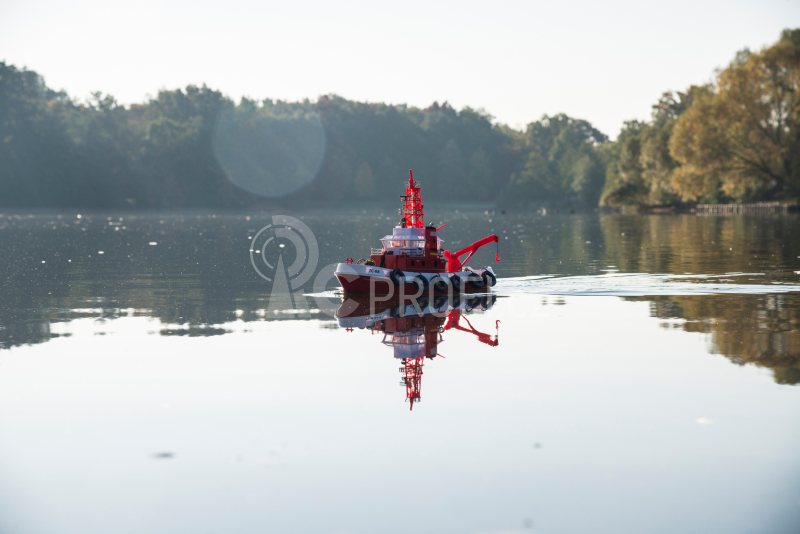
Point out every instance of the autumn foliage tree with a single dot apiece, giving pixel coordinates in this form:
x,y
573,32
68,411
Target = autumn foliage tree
x,y
740,140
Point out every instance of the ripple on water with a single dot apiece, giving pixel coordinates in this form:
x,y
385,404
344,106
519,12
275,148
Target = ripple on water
x,y
642,284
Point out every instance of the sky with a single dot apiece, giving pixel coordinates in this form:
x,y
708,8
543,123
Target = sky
x,y
606,62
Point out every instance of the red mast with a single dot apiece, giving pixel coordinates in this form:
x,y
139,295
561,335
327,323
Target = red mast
x,y
412,204
412,378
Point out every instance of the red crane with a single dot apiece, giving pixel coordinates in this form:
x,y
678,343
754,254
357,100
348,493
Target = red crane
x,y
453,262
452,324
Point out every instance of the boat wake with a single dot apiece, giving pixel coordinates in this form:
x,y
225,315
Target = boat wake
x,y
640,285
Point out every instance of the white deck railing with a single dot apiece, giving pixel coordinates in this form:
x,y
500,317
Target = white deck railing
x,y
411,252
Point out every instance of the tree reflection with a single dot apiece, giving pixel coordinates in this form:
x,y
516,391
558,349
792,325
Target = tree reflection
x,y
700,244
763,330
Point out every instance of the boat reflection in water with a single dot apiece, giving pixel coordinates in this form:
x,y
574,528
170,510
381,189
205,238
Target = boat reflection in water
x,y
414,328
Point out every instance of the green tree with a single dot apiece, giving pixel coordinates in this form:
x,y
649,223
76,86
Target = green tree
x,y
35,148
561,163
639,165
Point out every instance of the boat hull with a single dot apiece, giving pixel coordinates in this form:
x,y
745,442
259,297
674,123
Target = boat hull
x,y
370,279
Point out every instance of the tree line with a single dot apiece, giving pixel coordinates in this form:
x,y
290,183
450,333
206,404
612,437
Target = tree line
x,y
734,140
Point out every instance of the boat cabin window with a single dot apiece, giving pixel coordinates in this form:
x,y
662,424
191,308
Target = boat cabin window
x,y
401,339
404,243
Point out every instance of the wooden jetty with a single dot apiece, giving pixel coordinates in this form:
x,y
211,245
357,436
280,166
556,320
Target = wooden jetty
x,y
755,208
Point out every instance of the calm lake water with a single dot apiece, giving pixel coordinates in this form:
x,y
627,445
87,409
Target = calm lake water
x,y
644,376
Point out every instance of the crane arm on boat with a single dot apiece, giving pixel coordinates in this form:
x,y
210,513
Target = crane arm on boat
x,y
453,324
453,262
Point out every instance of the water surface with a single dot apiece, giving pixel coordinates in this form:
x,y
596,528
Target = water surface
x,y
642,378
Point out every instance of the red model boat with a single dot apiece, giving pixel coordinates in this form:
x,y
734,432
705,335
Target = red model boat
x,y
412,262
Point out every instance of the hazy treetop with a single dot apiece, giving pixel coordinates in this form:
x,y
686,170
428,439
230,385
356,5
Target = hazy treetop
x,y
603,61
